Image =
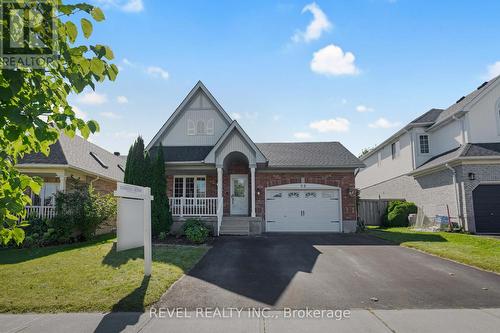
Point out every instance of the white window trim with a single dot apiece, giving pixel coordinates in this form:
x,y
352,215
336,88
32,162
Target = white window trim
x,y
191,127
183,177
209,127
42,192
428,144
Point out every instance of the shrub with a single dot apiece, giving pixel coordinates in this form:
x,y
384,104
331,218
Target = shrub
x,y
397,213
81,211
162,236
196,231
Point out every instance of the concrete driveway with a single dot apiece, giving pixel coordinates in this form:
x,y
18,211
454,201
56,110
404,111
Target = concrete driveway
x,y
328,271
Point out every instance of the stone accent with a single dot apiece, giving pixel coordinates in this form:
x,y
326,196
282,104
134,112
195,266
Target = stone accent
x,y
483,174
344,180
434,192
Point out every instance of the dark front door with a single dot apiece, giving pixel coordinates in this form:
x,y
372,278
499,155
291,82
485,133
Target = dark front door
x,y
486,200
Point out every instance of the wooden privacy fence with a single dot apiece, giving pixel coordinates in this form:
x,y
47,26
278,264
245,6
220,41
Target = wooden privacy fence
x,y
372,210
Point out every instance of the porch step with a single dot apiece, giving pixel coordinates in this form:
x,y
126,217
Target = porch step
x,y
235,225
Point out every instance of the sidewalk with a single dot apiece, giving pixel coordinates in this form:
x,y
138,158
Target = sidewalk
x,y
445,320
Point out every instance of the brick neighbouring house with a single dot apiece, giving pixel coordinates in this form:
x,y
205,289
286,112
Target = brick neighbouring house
x,y
216,172
71,161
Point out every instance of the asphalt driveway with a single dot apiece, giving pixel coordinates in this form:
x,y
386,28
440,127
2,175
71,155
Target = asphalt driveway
x,y
328,271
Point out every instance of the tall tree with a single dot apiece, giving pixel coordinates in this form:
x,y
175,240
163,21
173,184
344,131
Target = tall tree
x,y
161,218
34,106
136,168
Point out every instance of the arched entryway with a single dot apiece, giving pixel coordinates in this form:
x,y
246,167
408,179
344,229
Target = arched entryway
x,y
236,181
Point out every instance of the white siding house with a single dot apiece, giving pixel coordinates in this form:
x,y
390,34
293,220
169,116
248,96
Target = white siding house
x,y
436,153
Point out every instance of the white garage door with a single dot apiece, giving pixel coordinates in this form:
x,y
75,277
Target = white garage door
x,y
303,208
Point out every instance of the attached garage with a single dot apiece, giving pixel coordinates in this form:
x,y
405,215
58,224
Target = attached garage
x,y
486,200
303,207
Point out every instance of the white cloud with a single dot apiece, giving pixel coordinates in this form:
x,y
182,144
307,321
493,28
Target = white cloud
x,y
318,25
128,63
122,99
110,115
331,125
332,61
493,70
131,6
236,116
364,108
384,123
92,98
79,113
125,135
302,135
157,72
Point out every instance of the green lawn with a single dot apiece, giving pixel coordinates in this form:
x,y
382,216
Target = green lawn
x,y
479,251
89,276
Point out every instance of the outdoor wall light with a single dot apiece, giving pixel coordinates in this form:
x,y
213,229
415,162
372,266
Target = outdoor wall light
x,y
352,192
258,191
472,176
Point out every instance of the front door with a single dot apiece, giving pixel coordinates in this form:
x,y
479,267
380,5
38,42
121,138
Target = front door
x,y
239,195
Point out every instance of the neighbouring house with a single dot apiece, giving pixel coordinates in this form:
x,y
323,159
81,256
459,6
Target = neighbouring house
x,y
70,161
447,160
215,171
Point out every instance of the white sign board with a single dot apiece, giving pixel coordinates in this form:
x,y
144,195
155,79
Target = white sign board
x,y
134,220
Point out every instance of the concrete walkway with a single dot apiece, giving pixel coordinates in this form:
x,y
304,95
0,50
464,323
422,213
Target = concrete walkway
x,y
435,320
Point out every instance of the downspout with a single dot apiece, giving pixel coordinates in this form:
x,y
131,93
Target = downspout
x,y
94,180
454,177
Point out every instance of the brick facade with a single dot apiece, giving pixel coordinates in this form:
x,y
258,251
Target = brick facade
x,y
344,180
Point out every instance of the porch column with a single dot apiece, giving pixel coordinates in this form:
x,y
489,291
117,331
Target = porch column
x,y
252,180
62,181
219,183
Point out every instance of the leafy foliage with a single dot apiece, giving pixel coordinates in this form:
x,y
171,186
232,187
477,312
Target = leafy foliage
x,y
196,231
397,213
144,170
82,211
34,106
161,218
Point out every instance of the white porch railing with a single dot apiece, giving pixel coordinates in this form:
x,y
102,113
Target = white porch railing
x,y
193,206
46,212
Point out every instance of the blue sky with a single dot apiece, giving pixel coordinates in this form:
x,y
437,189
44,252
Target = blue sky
x,y
348,71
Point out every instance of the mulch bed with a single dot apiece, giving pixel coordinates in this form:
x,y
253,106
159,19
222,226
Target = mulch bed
x,y
181,240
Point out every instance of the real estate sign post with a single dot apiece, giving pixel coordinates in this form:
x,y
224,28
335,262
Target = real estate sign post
x,y
134,220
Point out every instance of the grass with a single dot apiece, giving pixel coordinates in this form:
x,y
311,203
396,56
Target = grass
x,y
89,276
479,251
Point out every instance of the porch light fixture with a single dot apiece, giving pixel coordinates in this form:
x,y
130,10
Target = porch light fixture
x,y
258,191
472,176
352,192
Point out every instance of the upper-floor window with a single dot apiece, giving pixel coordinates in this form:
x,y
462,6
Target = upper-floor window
x,y
424,144
395,147
200,127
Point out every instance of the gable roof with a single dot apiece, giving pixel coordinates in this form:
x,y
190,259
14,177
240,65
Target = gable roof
x,y
235,126
80,154
464,101
309,155
199,86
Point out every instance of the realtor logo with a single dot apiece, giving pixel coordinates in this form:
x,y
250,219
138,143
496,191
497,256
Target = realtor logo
x,y
28,34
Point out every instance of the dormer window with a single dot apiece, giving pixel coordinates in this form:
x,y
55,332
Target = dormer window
x,y
200,127
424,144
191,128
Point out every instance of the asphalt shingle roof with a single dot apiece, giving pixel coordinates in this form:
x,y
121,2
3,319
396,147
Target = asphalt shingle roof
x,y
309,155
428,117
183,153
463,101
75,152
469,150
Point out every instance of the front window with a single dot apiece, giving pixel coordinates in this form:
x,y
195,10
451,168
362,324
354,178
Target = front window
x,y
424,144
46,196
190,186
